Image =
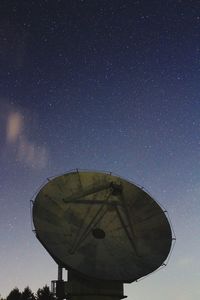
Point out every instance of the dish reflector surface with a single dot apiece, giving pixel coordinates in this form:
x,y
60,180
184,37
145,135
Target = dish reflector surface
x,y
101,226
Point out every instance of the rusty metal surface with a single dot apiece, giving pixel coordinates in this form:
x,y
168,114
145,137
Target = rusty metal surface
x,y
101,226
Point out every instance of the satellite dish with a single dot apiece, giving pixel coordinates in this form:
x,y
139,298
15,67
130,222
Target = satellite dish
x,y
101,226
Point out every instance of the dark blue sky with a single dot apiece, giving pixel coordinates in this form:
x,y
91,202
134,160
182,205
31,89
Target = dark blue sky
x,y
106,85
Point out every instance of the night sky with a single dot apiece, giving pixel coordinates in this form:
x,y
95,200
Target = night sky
x,y
107,85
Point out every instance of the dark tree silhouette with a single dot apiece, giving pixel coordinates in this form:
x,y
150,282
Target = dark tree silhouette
x,y
45,294
42,294
14,295
27,294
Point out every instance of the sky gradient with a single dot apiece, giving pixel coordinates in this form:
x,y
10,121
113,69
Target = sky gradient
x,y
104,85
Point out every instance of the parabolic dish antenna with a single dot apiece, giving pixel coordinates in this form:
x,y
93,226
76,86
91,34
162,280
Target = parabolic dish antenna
x,y
101,226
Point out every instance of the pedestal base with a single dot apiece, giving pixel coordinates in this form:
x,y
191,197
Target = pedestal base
x,y
81,288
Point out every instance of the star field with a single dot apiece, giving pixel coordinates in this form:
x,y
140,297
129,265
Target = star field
x,y
104,85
